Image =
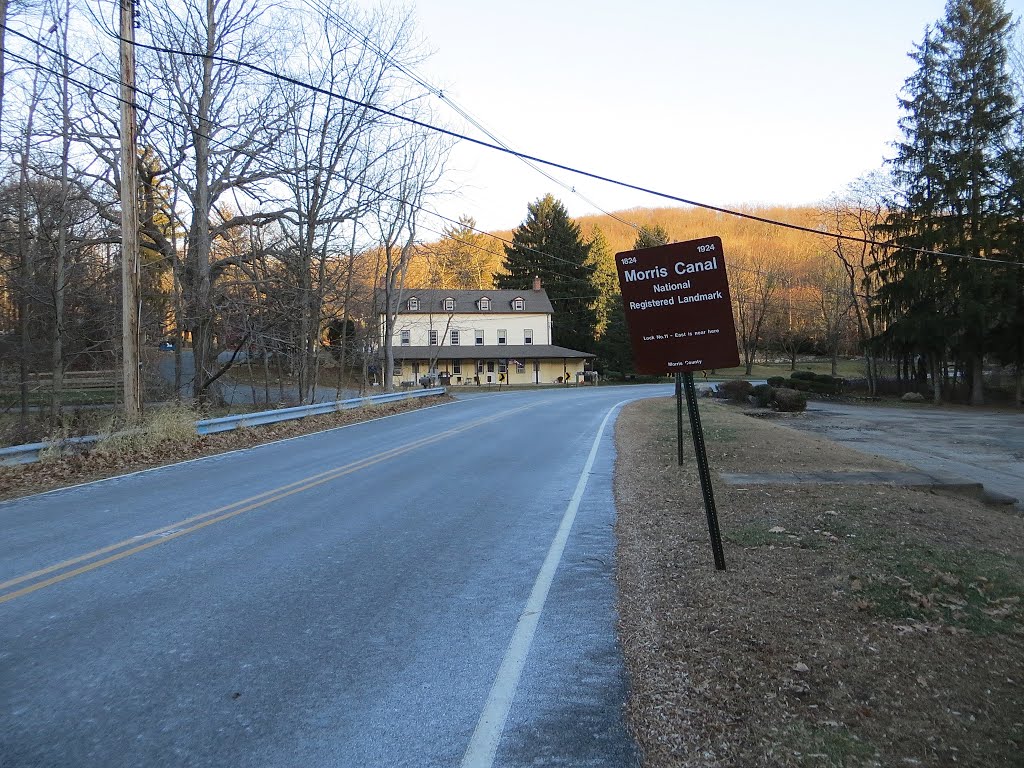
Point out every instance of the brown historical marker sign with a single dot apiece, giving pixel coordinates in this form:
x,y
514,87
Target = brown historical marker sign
x,y
678,308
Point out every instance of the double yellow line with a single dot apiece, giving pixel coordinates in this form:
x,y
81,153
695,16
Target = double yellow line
x,y
90,561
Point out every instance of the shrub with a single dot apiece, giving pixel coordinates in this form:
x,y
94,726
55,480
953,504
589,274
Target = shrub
x,y
174,423
802,375
776,381
825,384
736,391
790,400
763,395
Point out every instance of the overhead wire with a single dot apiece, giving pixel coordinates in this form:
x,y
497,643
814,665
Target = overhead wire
x,y
587,174
561,166
454,105
448,235
219,142
118,98
359,184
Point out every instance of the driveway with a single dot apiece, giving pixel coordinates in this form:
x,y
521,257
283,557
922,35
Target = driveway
x,y
236,393
981,446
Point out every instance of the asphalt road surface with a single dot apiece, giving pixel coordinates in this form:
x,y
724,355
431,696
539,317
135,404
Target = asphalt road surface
x,y
981,446
430,589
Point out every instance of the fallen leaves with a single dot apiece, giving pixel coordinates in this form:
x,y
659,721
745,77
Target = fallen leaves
x,y
25,479
846,647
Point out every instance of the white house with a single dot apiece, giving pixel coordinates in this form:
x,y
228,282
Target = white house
x,y
479,337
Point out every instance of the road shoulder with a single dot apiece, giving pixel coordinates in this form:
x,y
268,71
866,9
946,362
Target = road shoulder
x,y
819,645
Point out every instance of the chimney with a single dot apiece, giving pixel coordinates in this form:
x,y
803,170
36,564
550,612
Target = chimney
x,y
536,282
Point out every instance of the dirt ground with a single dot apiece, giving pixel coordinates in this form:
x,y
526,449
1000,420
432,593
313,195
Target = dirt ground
x,y
855,626
60,471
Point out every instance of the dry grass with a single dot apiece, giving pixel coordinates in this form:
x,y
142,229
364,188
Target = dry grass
x,y
856,625
169,436
172,426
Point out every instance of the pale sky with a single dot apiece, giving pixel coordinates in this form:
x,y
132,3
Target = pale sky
x,y
739,102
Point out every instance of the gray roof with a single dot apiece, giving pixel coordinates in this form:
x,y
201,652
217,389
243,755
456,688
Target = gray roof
x,y
466,302
488,352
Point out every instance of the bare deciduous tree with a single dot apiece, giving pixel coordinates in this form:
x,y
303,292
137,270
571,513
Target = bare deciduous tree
x,y
859,212
755,279
221,121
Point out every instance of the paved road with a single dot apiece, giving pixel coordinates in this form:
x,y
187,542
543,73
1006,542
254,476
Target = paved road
x,y
430,589
981,446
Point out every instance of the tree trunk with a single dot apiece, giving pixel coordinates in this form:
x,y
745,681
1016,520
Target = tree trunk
x,y
25,254
59,278
3,57
202,335
977,381
280,379
179,319
266,373
343,352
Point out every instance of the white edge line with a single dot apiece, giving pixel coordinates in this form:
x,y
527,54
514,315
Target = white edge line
x,y
147,470
483,745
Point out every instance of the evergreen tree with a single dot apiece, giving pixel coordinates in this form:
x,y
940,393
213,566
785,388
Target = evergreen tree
x,y
606,278
1008,336
615,350
461,259
548,245
650,237
959,108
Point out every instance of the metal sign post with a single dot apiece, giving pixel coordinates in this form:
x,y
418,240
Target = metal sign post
x,y
679,416
704,472
679,313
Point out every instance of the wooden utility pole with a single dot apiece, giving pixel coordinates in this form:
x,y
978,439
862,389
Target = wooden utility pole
x,y
130,308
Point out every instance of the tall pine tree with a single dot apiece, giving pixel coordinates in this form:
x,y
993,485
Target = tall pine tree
x,y
606,278
614,348
548,245
959,108
650,237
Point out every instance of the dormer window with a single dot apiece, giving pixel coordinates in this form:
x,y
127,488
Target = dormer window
x,y
414,304
484,304
449,304
518,304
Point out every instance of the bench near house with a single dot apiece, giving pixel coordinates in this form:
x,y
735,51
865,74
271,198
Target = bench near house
x,y
479,337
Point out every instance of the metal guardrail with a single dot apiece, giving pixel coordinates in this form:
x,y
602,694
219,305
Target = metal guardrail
x,y
227,423
29,453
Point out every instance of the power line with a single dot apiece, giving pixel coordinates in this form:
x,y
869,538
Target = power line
x,y
219,142
731,266
550,163
561,166
462,111
71,60
450,236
